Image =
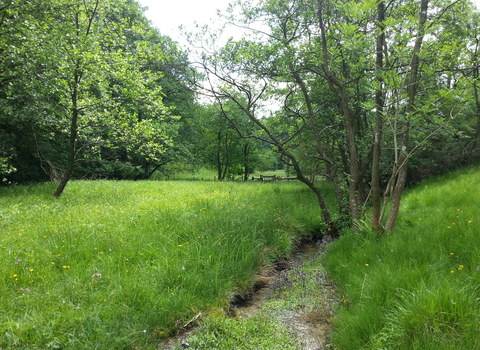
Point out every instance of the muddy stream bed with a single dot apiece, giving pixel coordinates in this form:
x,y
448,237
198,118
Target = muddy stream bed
x,y
303,288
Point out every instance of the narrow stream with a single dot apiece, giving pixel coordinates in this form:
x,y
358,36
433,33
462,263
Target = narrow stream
x,y
306,314
309,327
271,280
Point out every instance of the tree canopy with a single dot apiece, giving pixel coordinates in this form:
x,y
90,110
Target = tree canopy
x,y
82,85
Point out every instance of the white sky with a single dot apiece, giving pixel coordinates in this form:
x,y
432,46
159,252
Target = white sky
x,y
168,15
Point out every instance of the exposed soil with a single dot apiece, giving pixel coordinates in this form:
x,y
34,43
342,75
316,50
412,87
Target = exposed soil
x,y
307,314
310,326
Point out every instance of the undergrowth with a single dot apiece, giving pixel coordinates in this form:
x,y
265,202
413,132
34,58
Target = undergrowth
x,y
418,288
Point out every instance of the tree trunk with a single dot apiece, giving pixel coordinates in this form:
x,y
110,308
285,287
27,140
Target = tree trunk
x,y
270,138
246,163
475,88
71,155
331,227
379,104
218,156
399,180
354,177
412,82
75,110
226,158
73,135
316,131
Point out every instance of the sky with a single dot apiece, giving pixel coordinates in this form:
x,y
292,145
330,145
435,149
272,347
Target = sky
x,y
168,15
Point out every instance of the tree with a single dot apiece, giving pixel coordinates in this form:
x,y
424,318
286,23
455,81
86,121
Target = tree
x,y
472,26
222,145
399,176
379,110
86,72
245,92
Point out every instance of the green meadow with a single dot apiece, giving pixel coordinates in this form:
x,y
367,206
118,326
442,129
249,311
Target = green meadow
x,y
121,264
418,288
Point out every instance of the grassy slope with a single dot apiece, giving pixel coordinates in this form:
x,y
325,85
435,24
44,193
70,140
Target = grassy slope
x,y
418,288
118,265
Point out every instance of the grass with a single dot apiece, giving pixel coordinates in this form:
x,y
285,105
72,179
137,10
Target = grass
x,y
120,265
258,332
418,288
202,174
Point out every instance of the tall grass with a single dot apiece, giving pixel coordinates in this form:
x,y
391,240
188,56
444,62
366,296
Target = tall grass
x,y
419,287
119,265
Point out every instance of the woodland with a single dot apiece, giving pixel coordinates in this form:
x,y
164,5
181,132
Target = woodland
x,y
369,95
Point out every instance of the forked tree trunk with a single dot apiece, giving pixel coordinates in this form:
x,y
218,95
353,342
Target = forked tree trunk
x,y
401,175
75,110
73,136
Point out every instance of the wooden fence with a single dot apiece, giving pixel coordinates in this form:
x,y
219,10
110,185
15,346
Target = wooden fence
x,y
273,178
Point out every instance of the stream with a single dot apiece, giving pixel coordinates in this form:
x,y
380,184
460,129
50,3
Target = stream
x,y
306,293
271,280
310,326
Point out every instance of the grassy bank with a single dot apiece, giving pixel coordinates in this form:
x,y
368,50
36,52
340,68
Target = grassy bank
x,y
418,288
118,265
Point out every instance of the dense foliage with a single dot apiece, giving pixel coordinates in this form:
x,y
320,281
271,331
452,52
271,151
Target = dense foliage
x,y
78,85
89,89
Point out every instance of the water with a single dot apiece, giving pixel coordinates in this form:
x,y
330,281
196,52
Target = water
x,y
306,311
309,325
